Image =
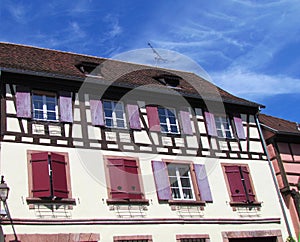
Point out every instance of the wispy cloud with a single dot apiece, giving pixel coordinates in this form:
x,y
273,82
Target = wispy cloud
x,y
114,28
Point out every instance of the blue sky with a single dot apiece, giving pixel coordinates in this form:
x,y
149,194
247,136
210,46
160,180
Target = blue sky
x,y
250,48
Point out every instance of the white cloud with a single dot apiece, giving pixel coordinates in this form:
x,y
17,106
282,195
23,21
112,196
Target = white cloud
x,y
114,28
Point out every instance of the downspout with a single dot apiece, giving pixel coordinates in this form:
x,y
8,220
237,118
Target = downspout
x,y
273,177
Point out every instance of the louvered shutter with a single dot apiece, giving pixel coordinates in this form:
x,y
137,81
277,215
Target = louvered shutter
x,y
210,124
238,122
186,122
153,118
161,180
246,176
59,176
117,177
134,116
132,179
202,182
41,186
235,183
97,112
23,102
65,106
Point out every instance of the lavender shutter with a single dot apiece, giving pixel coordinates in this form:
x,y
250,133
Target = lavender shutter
x,y
97,112
186,122
210,124
153,119
23,102
161,180
202,183
134,116
238,122
65,105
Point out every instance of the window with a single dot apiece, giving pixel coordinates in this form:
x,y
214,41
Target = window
x,y
192,238
239,182
223,127
124,179
133,238
168,121
114,114
49,176
44,106
180,182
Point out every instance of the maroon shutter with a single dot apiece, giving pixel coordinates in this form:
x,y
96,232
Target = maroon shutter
x,y
202,182
248,185
132,179
23,102
235,184
161,178
153,119
210,124
117,177
186,122
134,116
65,106
40,175
59,176
97,112
238,122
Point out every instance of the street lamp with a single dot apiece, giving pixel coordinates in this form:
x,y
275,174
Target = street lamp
x,y
4,189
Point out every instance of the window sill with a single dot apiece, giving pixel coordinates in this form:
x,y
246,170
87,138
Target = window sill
x,y
186,202
67,201
245,204
128,201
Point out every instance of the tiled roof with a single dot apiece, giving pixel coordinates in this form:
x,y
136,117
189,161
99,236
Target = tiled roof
x,y
28,59
279,125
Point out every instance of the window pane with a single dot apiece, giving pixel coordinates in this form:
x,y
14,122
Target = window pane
x,y
51,116
119,114
175,193
164,128
185,182
108,113
108,122
187,194
107,105
120,123
174,129
161,111
173,182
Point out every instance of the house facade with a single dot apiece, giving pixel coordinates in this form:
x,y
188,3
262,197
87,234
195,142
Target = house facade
x,y
101,150
283,142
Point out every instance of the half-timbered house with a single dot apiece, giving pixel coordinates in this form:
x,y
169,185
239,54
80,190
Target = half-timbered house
x,y
101,150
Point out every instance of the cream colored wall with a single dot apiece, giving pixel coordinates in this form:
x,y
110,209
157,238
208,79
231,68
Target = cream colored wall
x,y
89,189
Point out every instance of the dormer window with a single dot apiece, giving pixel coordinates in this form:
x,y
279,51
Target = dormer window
x,y
88,68
169,80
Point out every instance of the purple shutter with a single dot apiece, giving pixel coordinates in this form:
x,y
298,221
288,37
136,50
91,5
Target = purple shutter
x,y
40,175
65,105
23,102
161,180
97,112
246,176
59,176
210,124
153,119
238,122
134,116
186,122
202,182
235,183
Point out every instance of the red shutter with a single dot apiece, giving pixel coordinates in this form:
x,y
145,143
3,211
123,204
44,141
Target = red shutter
x,y
161,180
235,183
97,112
210,124
117,177
153,119
246,176
186,122
202,182
132,178
59,176
23,102
40,175
65,105
134,116
238,122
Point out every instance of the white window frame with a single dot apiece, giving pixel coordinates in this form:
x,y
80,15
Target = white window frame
x,y
168,123
44,109
223,121
114,117
178,177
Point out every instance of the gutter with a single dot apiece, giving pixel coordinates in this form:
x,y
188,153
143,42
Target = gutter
x,y
274,177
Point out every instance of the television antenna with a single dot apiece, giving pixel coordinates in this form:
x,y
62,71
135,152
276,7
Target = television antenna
x,y
158,58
